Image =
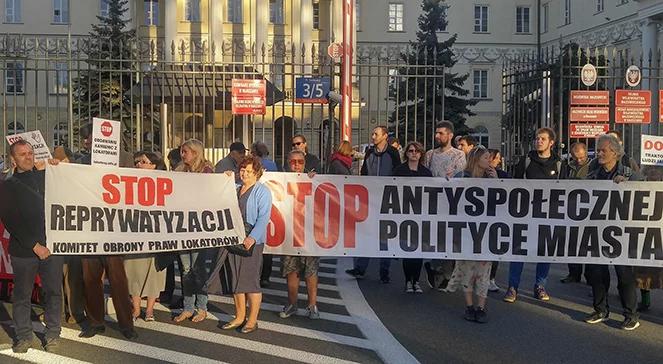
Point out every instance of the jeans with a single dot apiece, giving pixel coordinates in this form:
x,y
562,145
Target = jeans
x,y
25,271
193,259
516,270
362,263
599,279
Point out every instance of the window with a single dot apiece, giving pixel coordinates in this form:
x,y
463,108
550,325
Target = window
x,y
104,8
357,14
566,12
480,81
445,18
15,128
544,19
522,19
151,12
12,11
235,11
61,11
480,133
316,14
59,80
481,19
600,6
395,17
622,2
14,78
192,10
276,11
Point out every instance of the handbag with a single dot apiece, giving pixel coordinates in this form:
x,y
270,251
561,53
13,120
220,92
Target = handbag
x,y
240,249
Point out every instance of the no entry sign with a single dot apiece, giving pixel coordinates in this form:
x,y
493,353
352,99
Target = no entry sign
x,y
248,97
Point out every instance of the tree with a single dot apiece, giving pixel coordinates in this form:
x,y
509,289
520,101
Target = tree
x,y
421,85
101,90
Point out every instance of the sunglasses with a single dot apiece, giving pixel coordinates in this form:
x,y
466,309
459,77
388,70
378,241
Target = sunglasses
x,y
297,161
296,144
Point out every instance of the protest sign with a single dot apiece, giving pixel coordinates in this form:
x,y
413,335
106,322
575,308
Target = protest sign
x,y
37,142
101,211
651,150
105,142
596,222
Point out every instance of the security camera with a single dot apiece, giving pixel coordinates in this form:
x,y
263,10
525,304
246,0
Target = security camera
x,y
334,98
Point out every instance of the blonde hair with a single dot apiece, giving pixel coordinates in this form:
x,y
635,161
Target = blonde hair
x,y
345,148
473,159
199,162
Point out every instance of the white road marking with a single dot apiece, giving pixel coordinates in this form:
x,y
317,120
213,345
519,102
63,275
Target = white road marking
x,y
41,357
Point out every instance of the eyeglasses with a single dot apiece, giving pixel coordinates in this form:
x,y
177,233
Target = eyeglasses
x,y
296,144
297,161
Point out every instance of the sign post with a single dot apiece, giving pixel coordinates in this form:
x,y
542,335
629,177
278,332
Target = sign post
x,y
346,79
312,90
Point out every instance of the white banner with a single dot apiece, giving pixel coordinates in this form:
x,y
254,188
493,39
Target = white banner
x,y
100,211
468,219
37,142
651,150
105,142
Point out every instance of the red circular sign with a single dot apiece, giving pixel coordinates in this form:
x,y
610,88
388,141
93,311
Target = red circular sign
x,y
106,129
335,50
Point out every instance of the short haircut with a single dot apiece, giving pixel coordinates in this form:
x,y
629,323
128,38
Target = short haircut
x,y
254,162
550,132
577,145
384,129
446,125
18,143
614,144
468,139
618,133
296,151
303,138
260,149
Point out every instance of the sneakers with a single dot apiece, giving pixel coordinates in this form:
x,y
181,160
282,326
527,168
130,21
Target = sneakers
x,y
288,311
510,295
630,324
355,273
312,312
51,344
430,275
417,288
470,314
408,287
541,294
480,315
596,317
493,287
22,346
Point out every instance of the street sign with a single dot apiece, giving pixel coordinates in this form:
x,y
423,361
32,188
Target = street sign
x,y
312,90
248,97
588,130
632,115
633,106
105,142
582,97
640,98
585,113
335,50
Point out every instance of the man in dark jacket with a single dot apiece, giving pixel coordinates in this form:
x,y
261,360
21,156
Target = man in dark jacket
x,y
610,167
22,212
540,163
379,160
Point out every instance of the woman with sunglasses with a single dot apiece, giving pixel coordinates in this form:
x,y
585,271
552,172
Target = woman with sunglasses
x,y
312,162
413,168
142,276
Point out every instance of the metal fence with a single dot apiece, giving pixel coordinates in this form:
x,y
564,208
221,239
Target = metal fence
x,y
536,93
165,94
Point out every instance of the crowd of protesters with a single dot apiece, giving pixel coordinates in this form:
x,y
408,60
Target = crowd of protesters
x,y
73,286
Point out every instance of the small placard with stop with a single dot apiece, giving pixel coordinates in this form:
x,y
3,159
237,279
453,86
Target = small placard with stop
x,y
105,142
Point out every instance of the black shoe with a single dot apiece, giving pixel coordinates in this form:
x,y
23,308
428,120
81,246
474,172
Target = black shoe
x,y
22,346
52,344
570,279
642,307
480,315
443,285
385,279
92,331
470,314
430,275
130,334
355,273
165,298
597,317
630,324
177,304
264,283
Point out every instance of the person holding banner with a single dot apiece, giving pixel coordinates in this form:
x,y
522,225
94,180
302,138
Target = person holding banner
x,y
496,164
474,276
292,267
142,276
649,278
380,160
539,163
413,168
22,212
444,161
193,268
312,162
609,157
255,203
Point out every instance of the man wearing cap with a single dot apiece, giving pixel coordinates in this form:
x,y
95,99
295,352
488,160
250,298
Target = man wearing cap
x,y
232,160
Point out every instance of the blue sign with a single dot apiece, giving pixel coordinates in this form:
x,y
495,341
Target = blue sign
x,y
312,90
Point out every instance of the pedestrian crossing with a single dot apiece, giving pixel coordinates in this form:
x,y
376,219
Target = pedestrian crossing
x,y
335,338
